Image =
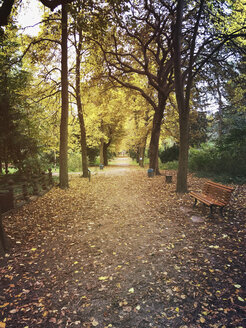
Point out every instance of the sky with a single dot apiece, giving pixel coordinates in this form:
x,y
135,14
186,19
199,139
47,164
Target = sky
x,y
30,14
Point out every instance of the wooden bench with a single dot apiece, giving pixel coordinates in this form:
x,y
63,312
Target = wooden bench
x,y
213,194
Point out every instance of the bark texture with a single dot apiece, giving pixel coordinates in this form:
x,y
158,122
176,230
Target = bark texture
x,y
80,109
63,172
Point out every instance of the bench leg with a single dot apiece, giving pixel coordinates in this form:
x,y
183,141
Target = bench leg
x,y
195,203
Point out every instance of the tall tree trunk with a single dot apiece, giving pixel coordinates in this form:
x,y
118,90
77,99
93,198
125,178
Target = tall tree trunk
x,y
183,151
141,155
101,151
220,112
105,154
63,172
142,151
80,110
183,97
6,164
3,244
155,134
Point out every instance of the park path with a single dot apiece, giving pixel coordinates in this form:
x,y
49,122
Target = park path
x,y
120,251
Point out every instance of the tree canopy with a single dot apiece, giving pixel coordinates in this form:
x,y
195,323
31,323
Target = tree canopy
x,y
123,74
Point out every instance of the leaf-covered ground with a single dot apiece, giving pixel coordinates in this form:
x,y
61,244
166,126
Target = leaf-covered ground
x,y
122,251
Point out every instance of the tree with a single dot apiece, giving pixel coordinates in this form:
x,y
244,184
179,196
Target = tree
x,y
63,172
138,125
63,167
85,23
17,137
105,113
193,46
139,43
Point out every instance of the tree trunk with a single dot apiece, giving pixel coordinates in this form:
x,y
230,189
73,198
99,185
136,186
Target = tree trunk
x,y
1,166
101,151
183,111
63,172
4,241
183,94
155,134
183,152
142,151
6,166
220,112
83,145
105,154
80,110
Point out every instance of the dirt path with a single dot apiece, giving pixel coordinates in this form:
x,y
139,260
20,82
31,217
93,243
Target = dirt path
x,y
121,251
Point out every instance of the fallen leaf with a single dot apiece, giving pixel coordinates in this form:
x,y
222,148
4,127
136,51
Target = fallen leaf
x,y
94,322
202,320
4,305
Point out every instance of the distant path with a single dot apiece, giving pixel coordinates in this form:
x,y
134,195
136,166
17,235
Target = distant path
x,y
118,166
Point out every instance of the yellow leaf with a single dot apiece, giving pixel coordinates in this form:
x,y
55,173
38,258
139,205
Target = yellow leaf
x,y
103,278
2,324
131,290
33,249
177,309
94,323
45,313
75,262
202,320
4,305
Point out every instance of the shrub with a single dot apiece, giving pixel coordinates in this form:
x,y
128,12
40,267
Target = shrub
x,y
74,162
169,154
170,165
92,155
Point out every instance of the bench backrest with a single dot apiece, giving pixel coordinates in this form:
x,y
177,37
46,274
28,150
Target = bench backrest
x,y
218,191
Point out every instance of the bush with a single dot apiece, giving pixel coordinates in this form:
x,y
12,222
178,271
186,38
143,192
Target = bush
x,y
169,154
170,165
74,162
133,154
92,155
222,158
